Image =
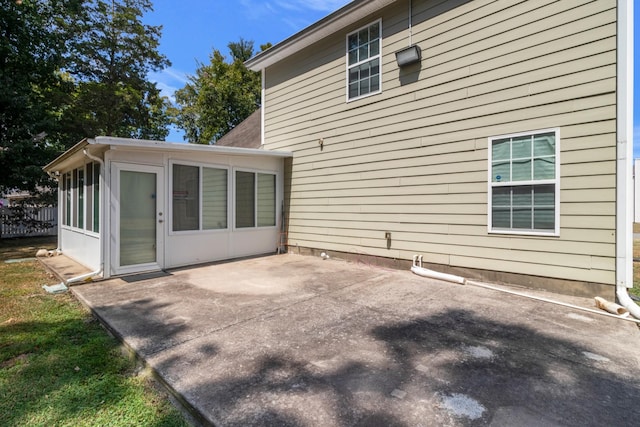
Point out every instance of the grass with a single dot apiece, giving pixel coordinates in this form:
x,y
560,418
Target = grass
x,y
57,365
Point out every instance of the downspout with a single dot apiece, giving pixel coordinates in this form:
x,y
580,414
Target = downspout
x,y
57,178
624,182
410,22
418,269
263,97
99,271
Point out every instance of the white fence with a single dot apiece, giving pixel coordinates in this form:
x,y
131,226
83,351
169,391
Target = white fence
x,y
29,222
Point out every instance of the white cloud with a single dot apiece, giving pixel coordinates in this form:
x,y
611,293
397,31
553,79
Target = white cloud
x,y
168,81
255,9
292,12
325,6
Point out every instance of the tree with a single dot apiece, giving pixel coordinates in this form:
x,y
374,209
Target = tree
x,y
220,95
33,90
71,69
110,57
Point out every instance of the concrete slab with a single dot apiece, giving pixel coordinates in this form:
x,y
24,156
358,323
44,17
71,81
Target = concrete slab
x,y
300,341
63,266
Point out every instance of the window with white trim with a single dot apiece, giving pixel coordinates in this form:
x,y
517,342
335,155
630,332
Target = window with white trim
x,y
255,199
524,183
364,48
199,198
81,197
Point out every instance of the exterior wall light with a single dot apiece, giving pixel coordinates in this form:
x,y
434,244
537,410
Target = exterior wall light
x,y
409,56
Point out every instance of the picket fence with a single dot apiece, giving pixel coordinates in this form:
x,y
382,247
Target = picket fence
x,y
10,228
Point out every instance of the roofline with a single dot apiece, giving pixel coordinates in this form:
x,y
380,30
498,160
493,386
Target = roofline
x,y
181,146
107,141
347,15
67,154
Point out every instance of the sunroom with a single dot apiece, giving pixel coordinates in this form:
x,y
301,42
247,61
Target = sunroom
x,y
130,206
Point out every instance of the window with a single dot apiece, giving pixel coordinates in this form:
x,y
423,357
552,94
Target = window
x,y
66,196
186,198
364,59
524,183
255,199
93,197
214,198
81,197
199,198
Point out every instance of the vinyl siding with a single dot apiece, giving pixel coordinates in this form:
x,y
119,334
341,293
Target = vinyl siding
x,y
413,159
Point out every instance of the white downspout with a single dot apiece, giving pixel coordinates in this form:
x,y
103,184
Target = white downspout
x,y
624,162
99,271
418,269
57,178
263,97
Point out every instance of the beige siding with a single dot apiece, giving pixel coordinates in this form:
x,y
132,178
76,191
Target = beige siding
x,y
413,159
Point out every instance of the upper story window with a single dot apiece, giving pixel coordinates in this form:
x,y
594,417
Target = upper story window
x,y
364,61
524,183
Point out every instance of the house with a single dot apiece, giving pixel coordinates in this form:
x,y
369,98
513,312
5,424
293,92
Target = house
x,y
491,137
636,191
246,134
128,206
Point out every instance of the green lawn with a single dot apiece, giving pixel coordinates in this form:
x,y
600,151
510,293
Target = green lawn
x,y
57,365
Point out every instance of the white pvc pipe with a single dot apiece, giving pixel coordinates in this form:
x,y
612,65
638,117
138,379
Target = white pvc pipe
x,y
417,268
564,304
82,277
611,307
102,243
437,275
624,183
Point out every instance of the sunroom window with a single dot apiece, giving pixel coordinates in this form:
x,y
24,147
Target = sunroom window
x,y
255,199
364,59
81,197
524,183
199,200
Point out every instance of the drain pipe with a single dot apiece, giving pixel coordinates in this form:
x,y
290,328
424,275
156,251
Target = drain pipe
x,y
624,131
56,177
99,271
417,268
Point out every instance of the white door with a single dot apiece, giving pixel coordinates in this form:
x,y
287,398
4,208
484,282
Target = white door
x,y
137,218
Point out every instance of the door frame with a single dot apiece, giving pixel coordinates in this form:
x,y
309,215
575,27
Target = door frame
x,y
116,168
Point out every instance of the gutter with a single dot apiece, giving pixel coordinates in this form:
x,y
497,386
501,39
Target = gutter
x,y
56,177
349,14
624,160
64,285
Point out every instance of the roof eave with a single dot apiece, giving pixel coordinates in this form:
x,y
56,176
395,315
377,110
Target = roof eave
x,y
347,15
50,167
173,146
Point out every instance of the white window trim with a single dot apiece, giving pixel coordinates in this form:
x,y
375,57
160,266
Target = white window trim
x,y
200,230
555,181
379,56
255,190
73,205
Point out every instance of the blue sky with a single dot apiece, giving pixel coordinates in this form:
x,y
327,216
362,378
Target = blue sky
x,y
192,29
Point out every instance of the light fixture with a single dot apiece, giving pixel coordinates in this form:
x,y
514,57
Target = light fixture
x,y
409,55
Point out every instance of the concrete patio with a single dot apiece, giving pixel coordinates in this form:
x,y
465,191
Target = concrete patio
x,y
291,340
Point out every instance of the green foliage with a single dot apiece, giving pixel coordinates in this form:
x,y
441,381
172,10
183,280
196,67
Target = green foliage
x,y
32,43
110,56
220,96
71,69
